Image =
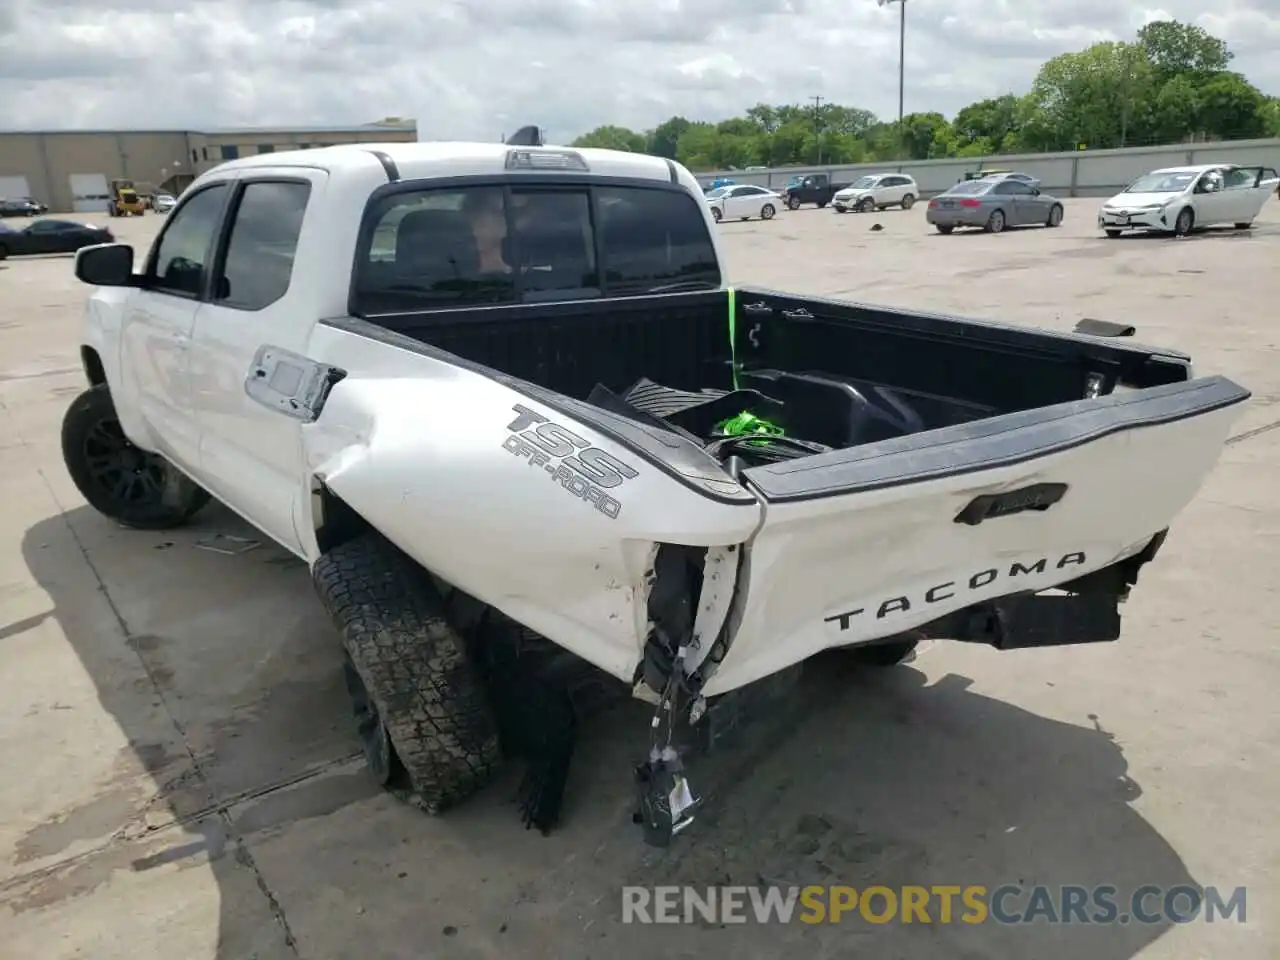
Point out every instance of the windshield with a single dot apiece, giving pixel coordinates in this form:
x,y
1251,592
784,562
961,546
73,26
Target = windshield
x,y
1159,182
863,182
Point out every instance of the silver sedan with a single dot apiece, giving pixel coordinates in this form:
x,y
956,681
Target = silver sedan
x,y
993,205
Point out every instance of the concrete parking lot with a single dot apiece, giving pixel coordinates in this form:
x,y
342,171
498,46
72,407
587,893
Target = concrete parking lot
x,y
178,775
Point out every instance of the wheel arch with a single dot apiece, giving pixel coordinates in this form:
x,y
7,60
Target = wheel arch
x,y
94,370
333,520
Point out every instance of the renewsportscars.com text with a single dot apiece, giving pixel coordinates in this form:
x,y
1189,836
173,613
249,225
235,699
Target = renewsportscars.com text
x,y
945,904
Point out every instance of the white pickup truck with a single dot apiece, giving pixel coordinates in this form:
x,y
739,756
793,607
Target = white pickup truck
x,y
502,400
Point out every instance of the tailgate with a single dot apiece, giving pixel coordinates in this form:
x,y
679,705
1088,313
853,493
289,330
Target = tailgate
x,y
868,542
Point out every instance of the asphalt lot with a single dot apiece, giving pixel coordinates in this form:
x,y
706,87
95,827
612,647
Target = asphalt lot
x,y
178,769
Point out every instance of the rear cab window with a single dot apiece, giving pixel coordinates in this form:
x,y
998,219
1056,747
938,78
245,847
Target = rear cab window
x,y
487,244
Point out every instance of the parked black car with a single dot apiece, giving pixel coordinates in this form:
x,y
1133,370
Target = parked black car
x,y
50,236
21,207
811,188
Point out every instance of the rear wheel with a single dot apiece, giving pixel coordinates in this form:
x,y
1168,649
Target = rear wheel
x,y
120,480
767,211
4,251
908,201
884,654
423,718
995,223
943,227
1055,217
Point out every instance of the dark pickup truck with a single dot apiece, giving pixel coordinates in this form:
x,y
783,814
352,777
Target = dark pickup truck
x,y
811,188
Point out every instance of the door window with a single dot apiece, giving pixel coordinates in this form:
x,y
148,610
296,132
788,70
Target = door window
x,y
183,251
484,245
258,264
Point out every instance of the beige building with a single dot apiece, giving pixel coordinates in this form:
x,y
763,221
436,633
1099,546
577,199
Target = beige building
x,y
71,170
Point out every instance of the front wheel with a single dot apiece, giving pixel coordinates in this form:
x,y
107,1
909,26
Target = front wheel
x,y
867,206
908,202
120,480
1186,220
716,215
793,203
767,211
1055,217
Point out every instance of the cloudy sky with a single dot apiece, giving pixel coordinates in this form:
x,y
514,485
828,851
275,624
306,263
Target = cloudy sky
x,y
478,68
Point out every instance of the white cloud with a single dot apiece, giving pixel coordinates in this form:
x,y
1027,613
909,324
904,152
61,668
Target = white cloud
x,y
478,68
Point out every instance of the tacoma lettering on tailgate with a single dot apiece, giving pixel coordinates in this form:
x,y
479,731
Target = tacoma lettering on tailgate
x,y
951,588
568,459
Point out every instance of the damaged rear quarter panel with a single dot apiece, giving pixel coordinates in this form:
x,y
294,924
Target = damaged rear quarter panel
x,y
492,491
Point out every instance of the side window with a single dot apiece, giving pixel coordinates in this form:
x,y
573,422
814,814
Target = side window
x,y
1020,188
264,237
1004,188
1239,179
182,251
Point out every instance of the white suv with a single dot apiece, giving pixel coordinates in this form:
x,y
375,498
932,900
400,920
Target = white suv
x,y
875,192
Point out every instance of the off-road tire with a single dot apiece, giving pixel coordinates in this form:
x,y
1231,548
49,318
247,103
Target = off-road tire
x,y
884,654
1055,216
943,228
996,222
908,201
121,481
1186,221
427,692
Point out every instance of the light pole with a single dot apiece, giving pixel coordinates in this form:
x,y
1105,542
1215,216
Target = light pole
x,y
902,49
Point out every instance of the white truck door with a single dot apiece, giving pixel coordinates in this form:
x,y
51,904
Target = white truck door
x,y
156,327
251,452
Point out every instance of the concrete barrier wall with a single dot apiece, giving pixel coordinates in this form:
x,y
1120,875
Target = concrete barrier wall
x,y
1087,173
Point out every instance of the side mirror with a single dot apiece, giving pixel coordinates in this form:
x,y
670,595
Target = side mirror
x,y
1035,191
106,265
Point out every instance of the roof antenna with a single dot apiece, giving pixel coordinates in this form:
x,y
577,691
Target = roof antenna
x,y
530,136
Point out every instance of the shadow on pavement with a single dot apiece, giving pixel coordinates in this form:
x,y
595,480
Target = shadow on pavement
x,y
230,694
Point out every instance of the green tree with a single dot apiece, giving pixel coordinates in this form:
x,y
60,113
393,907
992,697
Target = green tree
x,y
1174,48
665,137
613,138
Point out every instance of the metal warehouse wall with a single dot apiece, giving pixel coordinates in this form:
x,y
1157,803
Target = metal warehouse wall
x,y
1087,173
48,160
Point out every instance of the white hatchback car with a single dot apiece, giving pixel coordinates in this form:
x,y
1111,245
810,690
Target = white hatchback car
x,y
744,201
1178,199
875,192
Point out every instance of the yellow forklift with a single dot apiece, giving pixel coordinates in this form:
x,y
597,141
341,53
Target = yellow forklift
x,y
125,201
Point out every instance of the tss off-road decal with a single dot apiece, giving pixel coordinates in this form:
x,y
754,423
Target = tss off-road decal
x,y
568,459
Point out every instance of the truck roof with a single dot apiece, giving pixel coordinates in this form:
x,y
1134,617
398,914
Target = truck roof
x,y
414,161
